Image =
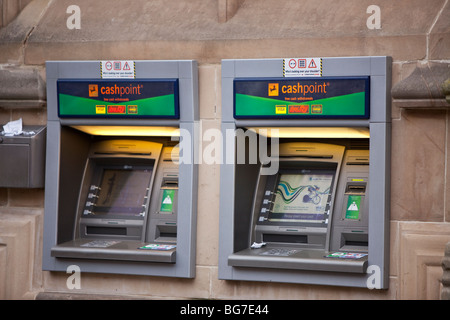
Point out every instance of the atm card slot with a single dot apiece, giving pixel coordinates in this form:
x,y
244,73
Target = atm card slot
x,y
355,189
358,161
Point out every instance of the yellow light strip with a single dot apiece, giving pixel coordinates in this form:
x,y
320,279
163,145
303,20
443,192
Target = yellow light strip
x,y
313,132
129,131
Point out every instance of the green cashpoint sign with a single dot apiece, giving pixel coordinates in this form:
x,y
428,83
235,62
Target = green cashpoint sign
x,y
167,201
279,98
143,98
353,207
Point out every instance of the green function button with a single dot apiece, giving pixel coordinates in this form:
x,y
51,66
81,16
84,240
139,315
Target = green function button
x,y
353,207
167,200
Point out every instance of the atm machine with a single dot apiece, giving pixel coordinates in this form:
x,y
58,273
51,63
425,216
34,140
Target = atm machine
x,y
314,207
120,197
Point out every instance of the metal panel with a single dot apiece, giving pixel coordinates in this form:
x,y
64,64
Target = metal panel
x,y
14,161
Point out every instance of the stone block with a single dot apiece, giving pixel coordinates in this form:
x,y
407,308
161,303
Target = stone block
x,y
439,38
425,82
446,89
176,30
29,198
21,87
446,274
418,166
421,248
18,236
445,293
209,83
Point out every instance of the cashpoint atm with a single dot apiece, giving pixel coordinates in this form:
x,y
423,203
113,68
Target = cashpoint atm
x,y
120,197
315,208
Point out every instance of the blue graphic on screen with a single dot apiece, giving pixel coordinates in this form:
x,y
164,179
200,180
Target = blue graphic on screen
x,y
301,198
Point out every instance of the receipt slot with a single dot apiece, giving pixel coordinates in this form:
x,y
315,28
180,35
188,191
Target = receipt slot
x,y
119,196
313,206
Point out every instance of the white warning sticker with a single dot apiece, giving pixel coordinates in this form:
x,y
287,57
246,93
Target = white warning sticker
x,y
302,67
118,69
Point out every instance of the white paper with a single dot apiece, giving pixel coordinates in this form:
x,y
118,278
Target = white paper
x,y
13,128
256,245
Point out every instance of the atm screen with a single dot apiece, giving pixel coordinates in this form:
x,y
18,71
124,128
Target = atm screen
x,y
302,197
122,192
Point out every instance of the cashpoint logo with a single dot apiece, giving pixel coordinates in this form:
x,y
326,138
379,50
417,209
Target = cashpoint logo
x,y
93,90
274,89
121,90
305,88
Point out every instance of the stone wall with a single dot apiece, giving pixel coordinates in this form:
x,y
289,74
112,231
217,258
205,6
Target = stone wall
x,y
416,33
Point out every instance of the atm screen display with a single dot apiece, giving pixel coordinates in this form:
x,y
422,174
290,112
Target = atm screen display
x,y
302,197
122,192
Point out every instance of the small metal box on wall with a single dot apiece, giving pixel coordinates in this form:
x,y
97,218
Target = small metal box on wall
x,y
22,158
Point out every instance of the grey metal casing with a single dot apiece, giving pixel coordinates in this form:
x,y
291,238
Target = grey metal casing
x,y
57,224
379,124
